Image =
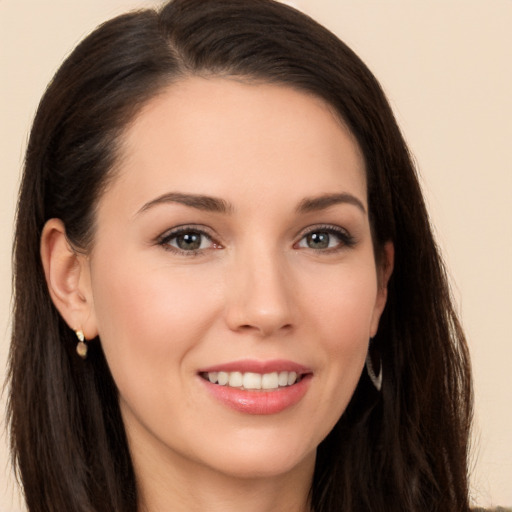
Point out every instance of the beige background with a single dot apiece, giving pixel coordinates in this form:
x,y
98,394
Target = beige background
x,y
446,66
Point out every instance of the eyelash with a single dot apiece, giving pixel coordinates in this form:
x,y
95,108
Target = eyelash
x,y
165,239
345,238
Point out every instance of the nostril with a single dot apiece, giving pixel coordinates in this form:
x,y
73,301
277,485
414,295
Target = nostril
x,y
264,330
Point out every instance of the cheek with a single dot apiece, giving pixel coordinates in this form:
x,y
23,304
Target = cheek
x,y
342,303
341,322
150,316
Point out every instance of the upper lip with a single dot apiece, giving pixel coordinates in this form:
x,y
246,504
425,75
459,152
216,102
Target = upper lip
x,y
257,366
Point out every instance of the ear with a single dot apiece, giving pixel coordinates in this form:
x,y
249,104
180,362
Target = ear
x,y
384,272
67,275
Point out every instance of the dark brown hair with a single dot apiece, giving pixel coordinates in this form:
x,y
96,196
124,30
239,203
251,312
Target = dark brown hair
x,y
403,449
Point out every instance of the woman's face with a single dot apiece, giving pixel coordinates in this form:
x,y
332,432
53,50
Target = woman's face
x,y
233,251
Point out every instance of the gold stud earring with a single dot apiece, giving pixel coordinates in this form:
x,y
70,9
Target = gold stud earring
x,y
81,347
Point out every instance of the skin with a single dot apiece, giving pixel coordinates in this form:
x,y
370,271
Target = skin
x,y
257,288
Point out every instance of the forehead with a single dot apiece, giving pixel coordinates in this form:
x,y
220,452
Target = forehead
x,y
220,136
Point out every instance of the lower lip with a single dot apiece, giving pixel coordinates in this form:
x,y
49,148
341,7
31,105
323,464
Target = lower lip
x,y
259,401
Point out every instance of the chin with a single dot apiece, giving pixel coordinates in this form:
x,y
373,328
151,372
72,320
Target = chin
x,y
260,459
259,467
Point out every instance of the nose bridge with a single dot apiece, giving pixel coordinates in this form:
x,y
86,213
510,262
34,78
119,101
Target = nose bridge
x,y
260,298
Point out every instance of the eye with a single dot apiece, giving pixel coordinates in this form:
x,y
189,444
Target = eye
x,y
326,238
187,240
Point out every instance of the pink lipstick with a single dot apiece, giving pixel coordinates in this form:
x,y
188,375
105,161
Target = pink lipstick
x,y
257,387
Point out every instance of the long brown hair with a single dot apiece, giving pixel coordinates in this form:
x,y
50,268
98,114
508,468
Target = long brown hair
x,y
401,449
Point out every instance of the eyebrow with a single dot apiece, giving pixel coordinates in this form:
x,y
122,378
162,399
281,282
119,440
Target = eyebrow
x,y
311,204
200,202
214,204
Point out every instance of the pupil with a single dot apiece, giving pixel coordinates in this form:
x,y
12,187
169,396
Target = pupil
x,y
189,241
318,240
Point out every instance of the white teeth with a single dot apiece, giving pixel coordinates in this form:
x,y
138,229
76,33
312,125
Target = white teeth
x,y
235,379
251,380
270,381
283,379
223,378
292,377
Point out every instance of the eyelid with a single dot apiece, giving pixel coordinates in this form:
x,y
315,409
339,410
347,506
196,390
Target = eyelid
x,y
346,238
164,238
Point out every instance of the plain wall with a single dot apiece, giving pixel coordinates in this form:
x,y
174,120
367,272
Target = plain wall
x,y
446,67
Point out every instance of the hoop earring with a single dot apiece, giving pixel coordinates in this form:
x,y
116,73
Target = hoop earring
x,y
81,347
376,379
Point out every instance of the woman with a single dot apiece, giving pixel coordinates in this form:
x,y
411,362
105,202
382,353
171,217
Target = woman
x,y
217,212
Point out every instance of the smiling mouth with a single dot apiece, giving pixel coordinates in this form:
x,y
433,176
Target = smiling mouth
x,y
253,381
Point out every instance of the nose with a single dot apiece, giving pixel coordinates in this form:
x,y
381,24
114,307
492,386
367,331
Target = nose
x,y
260,295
